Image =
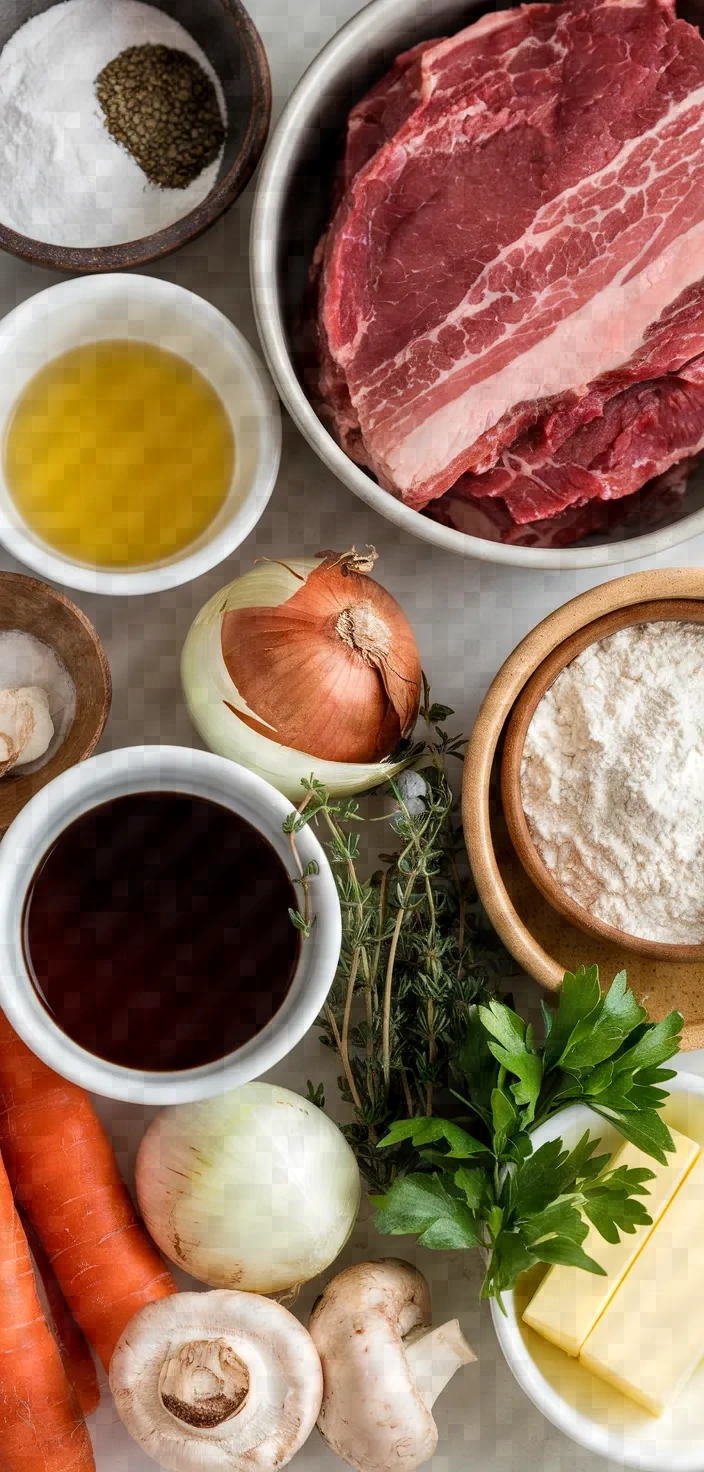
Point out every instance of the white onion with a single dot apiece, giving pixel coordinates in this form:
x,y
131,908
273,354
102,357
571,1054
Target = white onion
x,y
210,692
255,1189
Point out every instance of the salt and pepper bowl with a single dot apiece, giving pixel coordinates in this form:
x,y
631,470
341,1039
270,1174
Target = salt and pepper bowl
x,y
228,36
34,608
686,610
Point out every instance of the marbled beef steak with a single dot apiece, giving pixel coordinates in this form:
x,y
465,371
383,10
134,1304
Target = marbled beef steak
x,y
511,287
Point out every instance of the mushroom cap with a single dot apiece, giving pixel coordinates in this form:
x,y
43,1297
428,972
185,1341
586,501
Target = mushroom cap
x,y
271,1356
372,1414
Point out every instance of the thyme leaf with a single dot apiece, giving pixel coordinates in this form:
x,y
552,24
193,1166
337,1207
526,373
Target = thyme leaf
x,y
416,954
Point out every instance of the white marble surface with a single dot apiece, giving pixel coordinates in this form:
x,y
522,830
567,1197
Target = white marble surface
x,y
468,616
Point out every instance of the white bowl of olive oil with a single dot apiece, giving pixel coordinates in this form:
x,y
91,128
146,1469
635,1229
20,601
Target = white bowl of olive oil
x,y
141,436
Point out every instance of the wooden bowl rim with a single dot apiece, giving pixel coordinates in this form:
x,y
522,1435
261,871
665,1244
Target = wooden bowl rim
x,y
678,582
689,610
162,243
25,788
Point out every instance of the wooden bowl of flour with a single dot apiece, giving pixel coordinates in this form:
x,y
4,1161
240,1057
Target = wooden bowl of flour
x,y
684,610
546,940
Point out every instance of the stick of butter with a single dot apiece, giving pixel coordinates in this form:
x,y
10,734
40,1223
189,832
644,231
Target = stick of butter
x,y
569,1301
651,1338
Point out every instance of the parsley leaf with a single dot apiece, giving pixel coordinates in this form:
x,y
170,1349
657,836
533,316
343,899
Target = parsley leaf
x,y
428,1131
422,1204
522,1205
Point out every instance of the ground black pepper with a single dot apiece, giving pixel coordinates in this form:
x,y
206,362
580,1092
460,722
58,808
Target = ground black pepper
x,y
163,108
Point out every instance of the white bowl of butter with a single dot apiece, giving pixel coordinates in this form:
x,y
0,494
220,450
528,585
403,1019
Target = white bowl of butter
x,y
583,1404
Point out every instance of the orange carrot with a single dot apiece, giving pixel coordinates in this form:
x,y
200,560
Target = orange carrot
x,y
64,1174
75,1355
41,1427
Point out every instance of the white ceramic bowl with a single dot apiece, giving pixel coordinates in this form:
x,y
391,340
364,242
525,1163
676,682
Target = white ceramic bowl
x,y
144,308
169,769
291,210
583,1406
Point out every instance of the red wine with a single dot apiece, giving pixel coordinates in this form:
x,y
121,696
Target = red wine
x,y
156,931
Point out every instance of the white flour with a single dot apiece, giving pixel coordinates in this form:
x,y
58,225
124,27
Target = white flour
x,y
613,780
63,179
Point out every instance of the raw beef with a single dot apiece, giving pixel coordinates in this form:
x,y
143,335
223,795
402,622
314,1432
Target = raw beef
x,y
640,433
515,263
661,501
382,112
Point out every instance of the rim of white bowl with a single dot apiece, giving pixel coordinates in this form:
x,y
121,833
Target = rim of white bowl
x,y
156,578
597,1438
166,768
294,121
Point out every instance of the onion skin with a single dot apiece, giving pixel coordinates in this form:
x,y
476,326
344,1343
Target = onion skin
x,y
218,712
334,671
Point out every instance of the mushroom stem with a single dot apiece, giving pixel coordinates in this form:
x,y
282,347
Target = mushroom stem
x,y
433,1356
205,1384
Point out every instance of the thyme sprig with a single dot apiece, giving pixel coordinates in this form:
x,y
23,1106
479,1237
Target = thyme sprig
x,y
414,957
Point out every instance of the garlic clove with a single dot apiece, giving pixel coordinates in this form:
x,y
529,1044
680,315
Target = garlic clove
x,y
26,727
43,726
16,727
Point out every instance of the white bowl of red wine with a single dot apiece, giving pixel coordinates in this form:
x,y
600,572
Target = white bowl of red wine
x,y
147,946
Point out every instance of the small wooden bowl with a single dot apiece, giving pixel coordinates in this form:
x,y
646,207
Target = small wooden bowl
x,y
543,941
228,36
37,609
688,610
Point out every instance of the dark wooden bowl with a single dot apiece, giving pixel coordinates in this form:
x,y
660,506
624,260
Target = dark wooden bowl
x,y
37,609
232,43
689,610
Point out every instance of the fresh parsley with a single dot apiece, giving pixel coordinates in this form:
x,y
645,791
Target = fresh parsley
x,y
479,1183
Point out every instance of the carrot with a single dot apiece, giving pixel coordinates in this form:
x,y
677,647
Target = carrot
x,y
41,1427
75,1355
64,1174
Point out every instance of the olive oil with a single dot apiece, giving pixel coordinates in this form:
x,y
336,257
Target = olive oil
x,y
119,454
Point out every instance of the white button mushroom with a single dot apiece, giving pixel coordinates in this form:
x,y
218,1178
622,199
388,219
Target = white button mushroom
x,y
217,1380
26,727
383,1365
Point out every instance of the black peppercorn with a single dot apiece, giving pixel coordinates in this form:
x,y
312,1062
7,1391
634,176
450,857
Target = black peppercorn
x,y
163,108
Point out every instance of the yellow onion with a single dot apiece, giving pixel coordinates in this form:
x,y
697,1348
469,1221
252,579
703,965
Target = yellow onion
x,y
305,666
